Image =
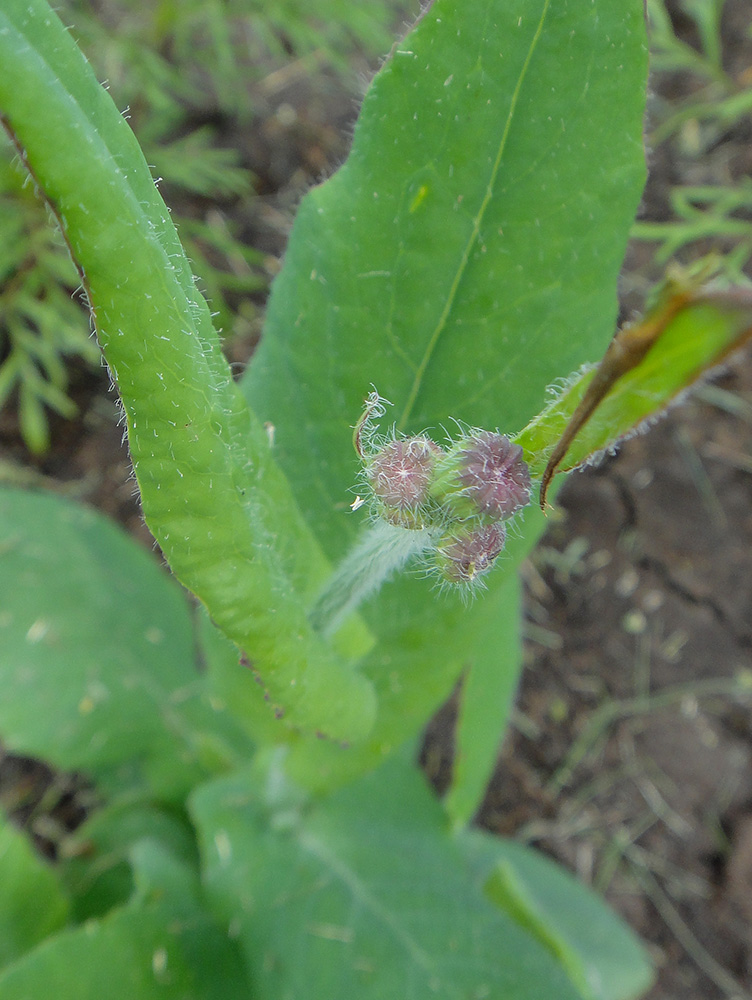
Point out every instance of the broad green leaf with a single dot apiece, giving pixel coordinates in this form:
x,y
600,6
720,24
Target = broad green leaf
x,y
97,663
212,494
602,955
485,700
138,953
32,902
463,258
363,895
466,254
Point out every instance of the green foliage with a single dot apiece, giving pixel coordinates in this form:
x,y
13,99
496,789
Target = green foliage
x,y
485,700
142,951
603,961
97,646
32,903
450,235
184,75
689,330
672,53
713,214
370,886
255,838
210,491
111,835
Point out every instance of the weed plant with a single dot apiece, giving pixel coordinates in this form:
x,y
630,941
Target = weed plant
x,y
263,830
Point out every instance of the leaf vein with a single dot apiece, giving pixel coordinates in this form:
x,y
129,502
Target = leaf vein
x,y
477,223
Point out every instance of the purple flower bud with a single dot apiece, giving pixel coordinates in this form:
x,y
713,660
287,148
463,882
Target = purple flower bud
x,y
400,475
484,474
465,553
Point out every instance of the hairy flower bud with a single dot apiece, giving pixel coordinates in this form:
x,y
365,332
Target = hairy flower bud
x,y
400,475
483,474
465,552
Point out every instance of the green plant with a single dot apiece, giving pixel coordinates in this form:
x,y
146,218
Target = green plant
x,y
274,839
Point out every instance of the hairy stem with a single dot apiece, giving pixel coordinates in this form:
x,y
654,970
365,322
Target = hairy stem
x,y
380,552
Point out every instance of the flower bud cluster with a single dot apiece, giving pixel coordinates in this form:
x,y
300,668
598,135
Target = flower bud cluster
x,y
461,495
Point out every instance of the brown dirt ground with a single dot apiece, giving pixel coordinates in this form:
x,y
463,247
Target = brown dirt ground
x,y
630,754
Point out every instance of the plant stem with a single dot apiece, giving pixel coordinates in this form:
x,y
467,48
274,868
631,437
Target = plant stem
x,y
379,553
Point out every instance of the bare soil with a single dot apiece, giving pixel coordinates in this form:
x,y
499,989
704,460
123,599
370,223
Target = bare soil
x,y
630,754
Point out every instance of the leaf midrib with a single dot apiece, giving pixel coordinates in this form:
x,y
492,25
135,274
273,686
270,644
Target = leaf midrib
x,y
314,845
473,238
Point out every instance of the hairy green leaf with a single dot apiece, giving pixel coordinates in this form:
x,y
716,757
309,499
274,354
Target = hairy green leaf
x,y
600,953
362,895
212,495
648,366
466,254
141,952
97,664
